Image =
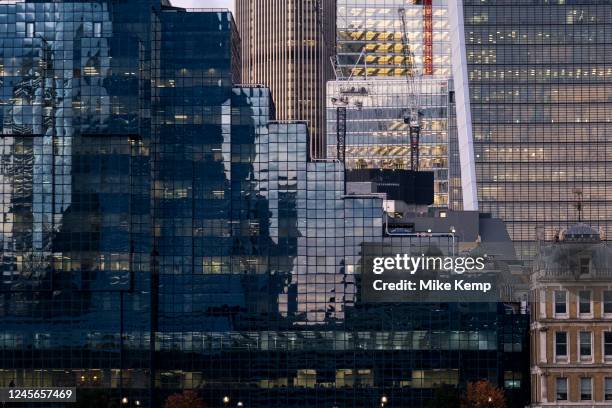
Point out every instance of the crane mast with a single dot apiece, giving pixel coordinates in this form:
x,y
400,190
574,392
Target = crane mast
x,y
411,116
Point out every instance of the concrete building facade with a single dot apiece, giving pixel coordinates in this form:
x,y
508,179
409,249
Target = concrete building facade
x,y
286,46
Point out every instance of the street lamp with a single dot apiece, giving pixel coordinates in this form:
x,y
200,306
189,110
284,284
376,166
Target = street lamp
x,y
137,403
226,400
383,400
124,400
240,404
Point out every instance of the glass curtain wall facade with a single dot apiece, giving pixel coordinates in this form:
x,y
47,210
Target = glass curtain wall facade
x,y
369,37
540,75
376,135
75,308
80,256
369,47
162,232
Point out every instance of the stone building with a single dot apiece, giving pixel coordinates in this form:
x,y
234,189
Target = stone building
x,y
571,329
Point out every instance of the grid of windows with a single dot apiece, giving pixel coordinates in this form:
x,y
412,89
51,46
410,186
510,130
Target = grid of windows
x,y
75,204
540,77
159,230
369,45
376,135
579,330
286,45
369,37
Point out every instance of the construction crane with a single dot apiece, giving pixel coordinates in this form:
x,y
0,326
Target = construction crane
x,y
412,113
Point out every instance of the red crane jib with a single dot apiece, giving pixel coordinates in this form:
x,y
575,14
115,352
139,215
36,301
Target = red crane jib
x,y
427,37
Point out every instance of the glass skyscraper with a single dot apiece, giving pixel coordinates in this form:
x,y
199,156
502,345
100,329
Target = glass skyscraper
x,y
540,75
369,37
161,231
367,102
108,109
375,135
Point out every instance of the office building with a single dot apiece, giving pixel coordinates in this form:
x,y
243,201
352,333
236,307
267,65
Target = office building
x,y
369,38
375,134
539,141
287,46
539,81
161,231
370,53
114,117
571,330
